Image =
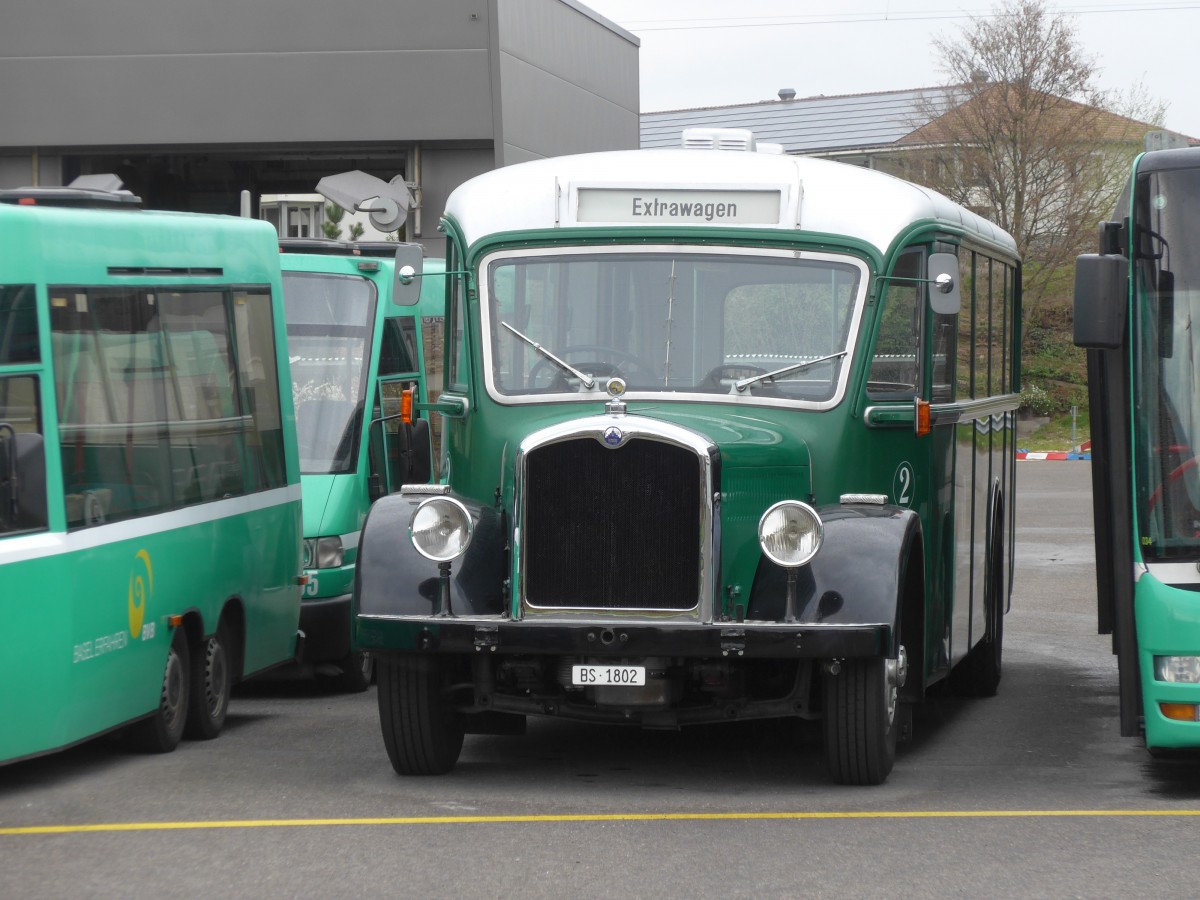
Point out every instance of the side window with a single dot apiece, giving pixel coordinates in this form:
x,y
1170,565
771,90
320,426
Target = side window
x,y
259,389
167,398
944,354
398,347
456,343
22,457
968,263
18,324
895,364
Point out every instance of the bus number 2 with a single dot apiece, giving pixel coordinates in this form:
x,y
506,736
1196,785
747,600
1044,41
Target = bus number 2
x,y
902,485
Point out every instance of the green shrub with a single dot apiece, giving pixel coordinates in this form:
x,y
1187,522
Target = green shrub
x,y
1037,400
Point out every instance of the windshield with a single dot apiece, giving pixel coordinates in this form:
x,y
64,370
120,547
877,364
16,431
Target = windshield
x,y
1167,360
672,321
330,320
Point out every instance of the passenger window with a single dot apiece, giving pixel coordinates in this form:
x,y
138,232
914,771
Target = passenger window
x,y
895,365
22,457
18,324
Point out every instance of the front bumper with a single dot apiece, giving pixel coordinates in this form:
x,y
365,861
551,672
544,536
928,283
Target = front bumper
x,y
747,640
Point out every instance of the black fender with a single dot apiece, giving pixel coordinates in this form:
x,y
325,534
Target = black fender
x,y
392,579
858,577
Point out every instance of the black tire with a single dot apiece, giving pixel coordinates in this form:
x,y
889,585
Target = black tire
x,y
421,732
162,732
861,722
980,672
358,670
212,682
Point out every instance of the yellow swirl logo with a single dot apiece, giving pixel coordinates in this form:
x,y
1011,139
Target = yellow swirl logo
x,y
141,586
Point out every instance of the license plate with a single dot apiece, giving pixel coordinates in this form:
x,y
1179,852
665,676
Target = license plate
x,y
608,675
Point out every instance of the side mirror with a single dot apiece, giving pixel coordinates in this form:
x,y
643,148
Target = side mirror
x,y
1101,295
945,291
406,290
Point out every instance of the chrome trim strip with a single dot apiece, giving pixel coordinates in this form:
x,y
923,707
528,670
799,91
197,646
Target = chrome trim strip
x,y
973,410
873,499
884,415
416,490
631,427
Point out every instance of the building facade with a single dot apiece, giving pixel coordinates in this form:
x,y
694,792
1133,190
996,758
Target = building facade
x,y
190,104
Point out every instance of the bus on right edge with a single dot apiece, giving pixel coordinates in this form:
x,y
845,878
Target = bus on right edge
x,y
1135,304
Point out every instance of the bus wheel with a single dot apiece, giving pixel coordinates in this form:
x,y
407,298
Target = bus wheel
x,y
420,730
162,732
358,671
861,718
212,681
981,670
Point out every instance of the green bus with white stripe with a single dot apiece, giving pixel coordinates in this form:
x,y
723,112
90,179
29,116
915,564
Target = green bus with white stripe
x,y
729,435
1135,312
353,351
150,546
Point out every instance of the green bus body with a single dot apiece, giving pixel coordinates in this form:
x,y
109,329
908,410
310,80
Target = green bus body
x,y
149,488
770,368
353,351
1135,303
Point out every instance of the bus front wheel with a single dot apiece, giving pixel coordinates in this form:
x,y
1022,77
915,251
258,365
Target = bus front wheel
x,y
162,732
211,684
358,670
421,732
861,718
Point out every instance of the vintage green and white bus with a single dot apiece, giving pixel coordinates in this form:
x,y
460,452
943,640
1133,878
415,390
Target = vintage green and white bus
x,y
729,435
353,352
1135,304
150,547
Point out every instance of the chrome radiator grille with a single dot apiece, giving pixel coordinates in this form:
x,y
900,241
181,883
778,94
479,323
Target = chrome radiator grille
x,y
616,529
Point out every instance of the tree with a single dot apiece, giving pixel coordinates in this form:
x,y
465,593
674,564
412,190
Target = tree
x,y
332,226
1022,135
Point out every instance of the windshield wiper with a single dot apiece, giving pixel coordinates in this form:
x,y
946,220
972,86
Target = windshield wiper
x,y
587,380
740,386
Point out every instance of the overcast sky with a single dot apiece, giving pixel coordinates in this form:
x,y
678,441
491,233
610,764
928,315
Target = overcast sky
x,y
720,52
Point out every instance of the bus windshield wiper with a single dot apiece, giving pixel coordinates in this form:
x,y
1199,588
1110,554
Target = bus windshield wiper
x,y
587,380
740,386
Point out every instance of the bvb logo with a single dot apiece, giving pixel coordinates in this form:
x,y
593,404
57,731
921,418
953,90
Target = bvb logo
x,y
141,586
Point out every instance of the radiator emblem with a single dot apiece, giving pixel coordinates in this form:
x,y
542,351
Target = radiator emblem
x,y
613,436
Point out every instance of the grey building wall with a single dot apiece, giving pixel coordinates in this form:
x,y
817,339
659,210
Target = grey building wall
x,y
194,101
562,89
169,72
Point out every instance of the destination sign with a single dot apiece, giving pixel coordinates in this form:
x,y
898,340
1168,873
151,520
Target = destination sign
x,y
652,206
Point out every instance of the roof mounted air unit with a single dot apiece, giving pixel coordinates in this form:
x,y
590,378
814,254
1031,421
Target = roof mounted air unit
x,y
718,139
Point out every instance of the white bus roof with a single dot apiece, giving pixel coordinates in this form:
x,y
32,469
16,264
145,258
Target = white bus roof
x,y
656,187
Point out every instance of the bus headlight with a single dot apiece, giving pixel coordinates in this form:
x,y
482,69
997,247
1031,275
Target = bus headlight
x,y
1177,669
323,553
440,529
790,533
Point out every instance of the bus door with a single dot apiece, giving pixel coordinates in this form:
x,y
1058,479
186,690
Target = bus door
x,y
916,472
400,451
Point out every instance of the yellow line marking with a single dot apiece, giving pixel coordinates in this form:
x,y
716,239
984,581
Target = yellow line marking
x,y
600,817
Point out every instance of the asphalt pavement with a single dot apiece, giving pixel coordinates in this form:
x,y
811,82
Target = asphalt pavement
x,y
1032,793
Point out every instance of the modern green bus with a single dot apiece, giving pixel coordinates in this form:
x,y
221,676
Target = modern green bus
x,y
1135,304
353,353
729,435
150,547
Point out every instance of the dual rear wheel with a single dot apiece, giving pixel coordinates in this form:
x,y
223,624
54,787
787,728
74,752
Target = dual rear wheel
x,y
197,682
